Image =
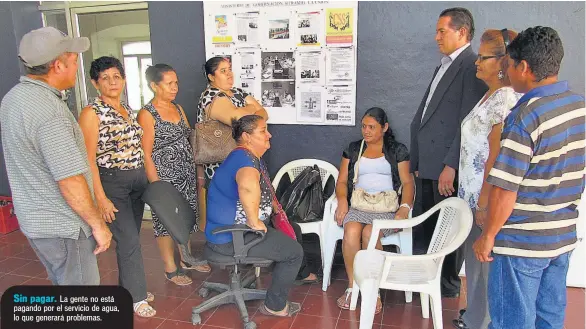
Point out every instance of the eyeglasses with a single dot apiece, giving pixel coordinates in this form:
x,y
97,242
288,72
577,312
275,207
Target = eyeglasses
x,y
483,58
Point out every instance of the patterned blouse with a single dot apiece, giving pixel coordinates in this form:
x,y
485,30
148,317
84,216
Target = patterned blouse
x,y
474,147
119,141
206,98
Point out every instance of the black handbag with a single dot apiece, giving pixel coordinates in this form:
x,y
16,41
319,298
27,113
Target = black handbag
x,y
303,200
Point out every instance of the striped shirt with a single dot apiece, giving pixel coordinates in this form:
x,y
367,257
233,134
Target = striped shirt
x,y
542,159
43,144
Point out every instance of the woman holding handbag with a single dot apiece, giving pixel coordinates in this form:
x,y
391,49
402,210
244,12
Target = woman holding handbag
x,y
373,172
223,102
241,193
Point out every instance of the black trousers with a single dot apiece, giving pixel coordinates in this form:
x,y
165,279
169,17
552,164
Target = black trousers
x,y
428,196
124,188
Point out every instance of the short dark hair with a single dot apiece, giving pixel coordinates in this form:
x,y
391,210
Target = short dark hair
x,y
212,64
245,124
542,49
102,64
155,73
460,18
42,69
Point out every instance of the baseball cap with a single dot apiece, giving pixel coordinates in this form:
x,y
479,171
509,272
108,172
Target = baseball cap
x,y
43,45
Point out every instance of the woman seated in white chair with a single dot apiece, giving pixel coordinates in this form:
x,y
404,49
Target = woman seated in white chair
x,y
375,167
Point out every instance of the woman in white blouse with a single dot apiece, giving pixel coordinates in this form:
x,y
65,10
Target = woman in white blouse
x,y
481,133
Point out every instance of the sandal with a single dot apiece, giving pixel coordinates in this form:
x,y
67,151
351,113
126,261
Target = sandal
x,y
150,297
178,277
292,309
144,311
198,267
306,281
343,301
459,323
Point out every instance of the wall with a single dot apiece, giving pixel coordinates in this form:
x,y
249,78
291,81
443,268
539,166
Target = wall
x,y
396,58
16,19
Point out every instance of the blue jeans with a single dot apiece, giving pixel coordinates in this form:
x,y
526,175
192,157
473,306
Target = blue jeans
x,y
69,261
527,293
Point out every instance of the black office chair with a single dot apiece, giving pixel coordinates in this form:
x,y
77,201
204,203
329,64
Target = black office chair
x,y
239,289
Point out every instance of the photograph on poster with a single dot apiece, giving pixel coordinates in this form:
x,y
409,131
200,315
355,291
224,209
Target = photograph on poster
x,y
279,29
309,106
278,94
309,39
278,65
247,28
308,29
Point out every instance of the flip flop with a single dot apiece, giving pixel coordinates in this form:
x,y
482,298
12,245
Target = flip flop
x,y
170,275
188,266
305,281
293,309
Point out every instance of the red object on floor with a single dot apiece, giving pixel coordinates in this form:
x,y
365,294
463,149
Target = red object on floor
x,y
8,222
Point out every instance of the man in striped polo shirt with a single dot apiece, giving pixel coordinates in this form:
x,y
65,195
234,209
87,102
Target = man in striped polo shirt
x,y
538,180
46,161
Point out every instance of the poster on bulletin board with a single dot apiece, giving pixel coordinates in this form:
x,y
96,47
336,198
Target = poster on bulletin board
x,y
297,58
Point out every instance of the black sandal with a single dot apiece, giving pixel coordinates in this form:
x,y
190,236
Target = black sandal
x,y
170,275
459,324
293,309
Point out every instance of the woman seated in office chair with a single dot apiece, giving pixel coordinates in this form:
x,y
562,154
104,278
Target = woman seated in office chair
x,y
382,166
240,193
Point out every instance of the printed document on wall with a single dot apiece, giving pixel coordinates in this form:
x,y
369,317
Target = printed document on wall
x,y
340,66
339,26
247,30
247,71
310,106
222,33
309,29
340,105
311,67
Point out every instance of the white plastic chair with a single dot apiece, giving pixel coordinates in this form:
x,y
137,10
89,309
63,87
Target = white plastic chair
x,y
374,269
326,229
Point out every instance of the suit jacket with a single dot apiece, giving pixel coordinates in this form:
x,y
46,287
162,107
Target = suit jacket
x,y
435,140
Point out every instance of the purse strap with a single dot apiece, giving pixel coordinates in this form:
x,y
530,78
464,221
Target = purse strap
x,y
358,164
268,181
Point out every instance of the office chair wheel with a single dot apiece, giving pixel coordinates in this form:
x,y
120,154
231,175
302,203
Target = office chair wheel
x,y
250,325
195,319
203,292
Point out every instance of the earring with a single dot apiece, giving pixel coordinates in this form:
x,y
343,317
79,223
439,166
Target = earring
x,y
501,75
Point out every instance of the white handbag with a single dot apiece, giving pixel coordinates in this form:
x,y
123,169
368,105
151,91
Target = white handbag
x,y
381,202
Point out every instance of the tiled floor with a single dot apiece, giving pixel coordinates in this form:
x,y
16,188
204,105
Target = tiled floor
x,y
19,265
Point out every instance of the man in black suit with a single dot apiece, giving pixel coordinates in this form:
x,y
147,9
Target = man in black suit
x,y
435,130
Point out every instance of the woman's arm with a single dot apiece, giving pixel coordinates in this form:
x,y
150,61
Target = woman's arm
x,y
147,122
90,126
248,180
223,110
342,191
408,190
259,109
494,145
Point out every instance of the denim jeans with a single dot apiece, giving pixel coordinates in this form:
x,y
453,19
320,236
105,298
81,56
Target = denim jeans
x,y
527,293
69,261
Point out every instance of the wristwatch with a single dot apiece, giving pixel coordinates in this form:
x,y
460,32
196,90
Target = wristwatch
x,y
406,205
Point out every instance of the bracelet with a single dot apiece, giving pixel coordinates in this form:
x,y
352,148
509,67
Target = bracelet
x,y
200,177
406,205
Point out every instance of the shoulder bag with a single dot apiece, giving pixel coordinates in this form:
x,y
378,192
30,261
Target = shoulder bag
x,y
211,140
381,202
